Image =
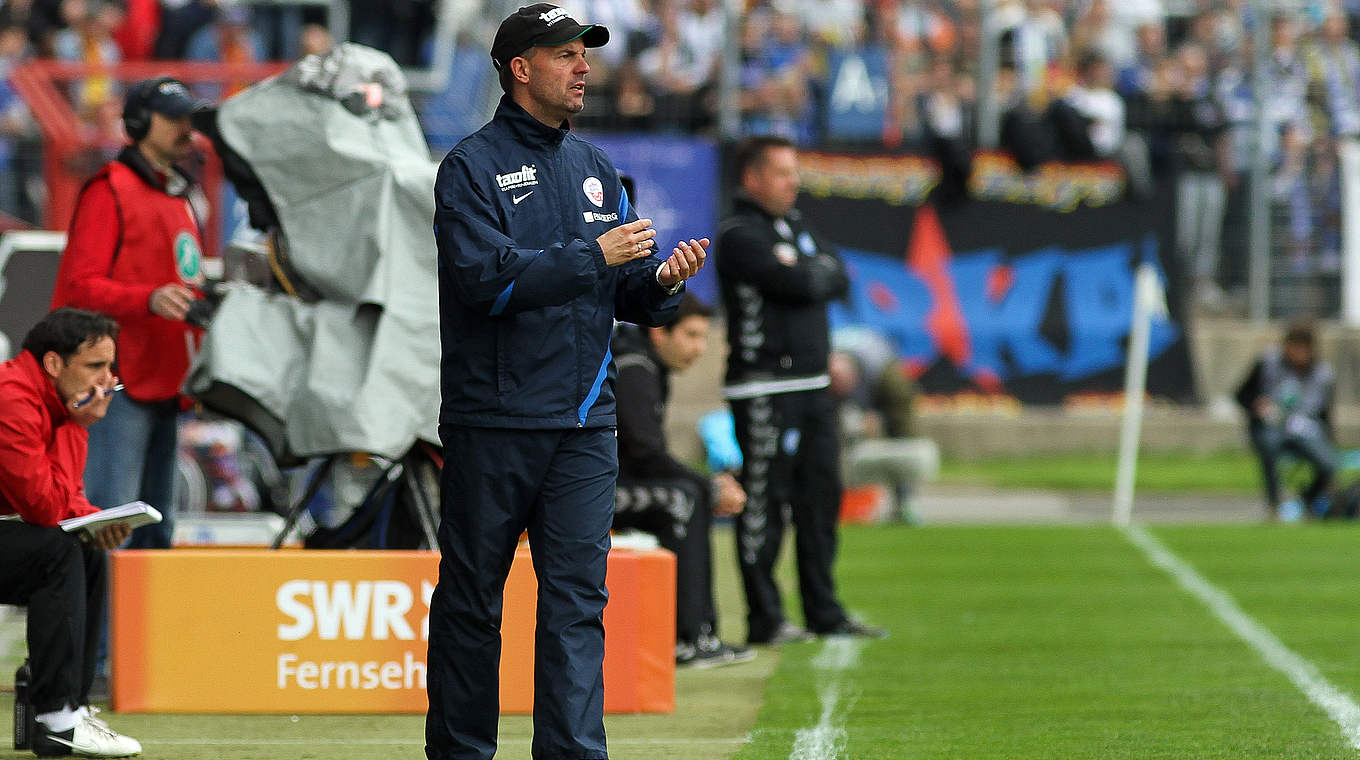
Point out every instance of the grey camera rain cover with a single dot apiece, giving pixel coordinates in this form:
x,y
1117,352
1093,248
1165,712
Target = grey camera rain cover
x,y
337,148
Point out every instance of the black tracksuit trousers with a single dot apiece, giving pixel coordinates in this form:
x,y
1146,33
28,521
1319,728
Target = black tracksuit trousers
x,y
62,581
791,457
678,511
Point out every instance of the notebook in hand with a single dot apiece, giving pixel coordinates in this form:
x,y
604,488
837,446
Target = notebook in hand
x,y
133,514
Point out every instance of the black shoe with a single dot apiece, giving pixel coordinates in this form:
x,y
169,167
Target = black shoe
x,y
709,651
853,627
786,633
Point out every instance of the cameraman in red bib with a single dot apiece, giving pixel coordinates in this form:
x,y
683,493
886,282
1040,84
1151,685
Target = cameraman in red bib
x,y
134,253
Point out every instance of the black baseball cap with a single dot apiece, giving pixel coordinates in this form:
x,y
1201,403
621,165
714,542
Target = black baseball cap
x,y
164,95
541,25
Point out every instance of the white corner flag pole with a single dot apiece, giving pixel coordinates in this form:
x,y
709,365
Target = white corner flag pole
x,y
1148,301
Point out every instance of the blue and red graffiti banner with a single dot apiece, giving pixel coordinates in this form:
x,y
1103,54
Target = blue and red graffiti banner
x,y
1025,289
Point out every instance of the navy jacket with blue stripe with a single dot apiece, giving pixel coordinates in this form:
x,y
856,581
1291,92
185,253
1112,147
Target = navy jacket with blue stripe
x,y
526,301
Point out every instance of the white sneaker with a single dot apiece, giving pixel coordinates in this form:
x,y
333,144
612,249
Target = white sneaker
x,y
91,737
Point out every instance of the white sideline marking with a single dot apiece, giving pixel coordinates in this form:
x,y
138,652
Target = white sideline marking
x,y
827,739
1336,703
407,742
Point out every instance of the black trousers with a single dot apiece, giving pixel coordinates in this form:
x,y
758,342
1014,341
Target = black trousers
x,y
496,483
1313,447
791,458
678,511
62,581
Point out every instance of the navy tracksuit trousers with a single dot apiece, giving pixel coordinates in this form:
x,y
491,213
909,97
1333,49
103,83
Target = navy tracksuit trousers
x,y
496,483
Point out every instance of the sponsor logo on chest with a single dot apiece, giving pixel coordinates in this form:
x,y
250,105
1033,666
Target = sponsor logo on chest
x,y
527,176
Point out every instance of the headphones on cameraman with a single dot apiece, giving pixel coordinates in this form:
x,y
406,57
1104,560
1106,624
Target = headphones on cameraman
x,y
136,113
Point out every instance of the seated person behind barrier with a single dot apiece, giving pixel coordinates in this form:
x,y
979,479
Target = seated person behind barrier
x,y
1288,397
660,495
50,393
876,399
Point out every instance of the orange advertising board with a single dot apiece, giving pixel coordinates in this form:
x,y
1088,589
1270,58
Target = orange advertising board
x,y
254,631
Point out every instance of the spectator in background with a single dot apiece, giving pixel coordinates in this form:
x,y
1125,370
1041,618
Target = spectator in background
x,y
1096,30
180,19
42,18
1200,155
1288,397
134,252
659,494
944,114
398,27
775,97
830,23
1287,102
136,36
634,105
88,39
1032,40
916,33
1333,65
682,67
1089,117
229,39
1127,18
1149,55
629,21
18,132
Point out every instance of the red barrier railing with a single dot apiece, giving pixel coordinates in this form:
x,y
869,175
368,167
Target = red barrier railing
x,y
73,150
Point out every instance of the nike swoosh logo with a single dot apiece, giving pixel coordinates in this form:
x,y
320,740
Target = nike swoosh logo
x,y
519,198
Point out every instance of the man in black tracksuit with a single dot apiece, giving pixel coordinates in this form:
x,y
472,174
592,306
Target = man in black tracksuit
x,y
776,280
539,251
659,494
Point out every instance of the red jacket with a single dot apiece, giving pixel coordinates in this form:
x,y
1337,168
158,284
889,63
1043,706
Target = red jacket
x,y
42,451
129,237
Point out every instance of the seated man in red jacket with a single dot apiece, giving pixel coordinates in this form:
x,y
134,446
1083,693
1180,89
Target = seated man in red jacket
x,y
56,387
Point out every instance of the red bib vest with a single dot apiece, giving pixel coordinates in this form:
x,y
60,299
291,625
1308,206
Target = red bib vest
x,y
159,244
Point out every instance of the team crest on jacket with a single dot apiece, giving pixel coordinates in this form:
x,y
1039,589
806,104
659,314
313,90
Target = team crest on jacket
x,y
594,191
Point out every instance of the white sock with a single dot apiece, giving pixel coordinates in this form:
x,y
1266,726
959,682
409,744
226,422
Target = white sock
x,y
64,719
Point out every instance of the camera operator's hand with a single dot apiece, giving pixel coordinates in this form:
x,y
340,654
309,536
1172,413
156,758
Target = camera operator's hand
x,y
171,301
627,242
112,536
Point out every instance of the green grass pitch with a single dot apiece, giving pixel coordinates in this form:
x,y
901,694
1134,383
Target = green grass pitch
x,y
1007,642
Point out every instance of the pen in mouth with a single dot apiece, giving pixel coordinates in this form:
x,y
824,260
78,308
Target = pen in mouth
x,y
114,389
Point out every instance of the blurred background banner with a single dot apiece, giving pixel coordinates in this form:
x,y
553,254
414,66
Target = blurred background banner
x,y
857,108
1026,290
676,181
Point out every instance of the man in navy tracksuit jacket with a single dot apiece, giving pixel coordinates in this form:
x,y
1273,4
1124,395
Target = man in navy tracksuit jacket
x,y
539,252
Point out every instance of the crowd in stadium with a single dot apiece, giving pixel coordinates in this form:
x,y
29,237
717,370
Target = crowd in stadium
x,y
1162,85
